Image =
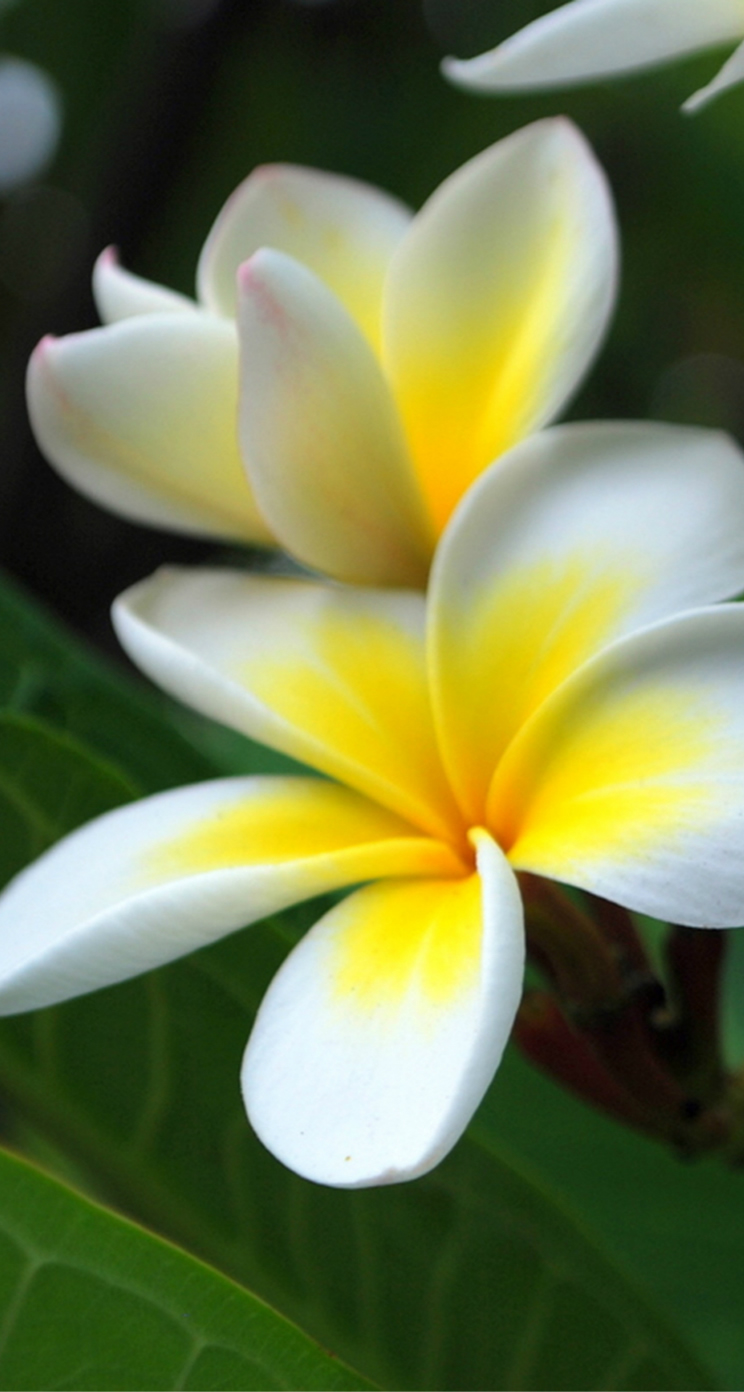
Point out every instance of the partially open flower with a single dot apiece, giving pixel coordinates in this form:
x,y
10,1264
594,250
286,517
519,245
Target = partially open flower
x,y
560,704
588,39
385,359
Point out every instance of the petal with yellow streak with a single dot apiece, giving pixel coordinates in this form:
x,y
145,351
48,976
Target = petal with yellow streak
x,y
380,1034
582,534
141,416
340,228
331,675
496,302
629,781
149,882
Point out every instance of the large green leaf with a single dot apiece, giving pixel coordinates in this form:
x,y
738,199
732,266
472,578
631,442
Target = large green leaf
x,y
88,1300
46,673
473,1277
679,1224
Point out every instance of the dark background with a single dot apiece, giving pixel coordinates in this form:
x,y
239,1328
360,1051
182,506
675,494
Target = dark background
x,y
168,104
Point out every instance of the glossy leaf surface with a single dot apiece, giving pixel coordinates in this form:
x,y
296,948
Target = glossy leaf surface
x,y
91,1301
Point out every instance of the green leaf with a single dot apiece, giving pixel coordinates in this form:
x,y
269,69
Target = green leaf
x,y
678,1224
49,783
471,1277
47,672
88,1300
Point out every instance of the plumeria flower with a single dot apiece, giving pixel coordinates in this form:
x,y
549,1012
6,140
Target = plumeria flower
x,y
567,700
420,348
587,39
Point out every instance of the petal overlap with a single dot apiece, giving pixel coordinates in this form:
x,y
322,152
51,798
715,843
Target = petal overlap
x,y
142,417
385,359
380,1033
320,432
157,879
332,676
496,301
581,535
343,230
629,781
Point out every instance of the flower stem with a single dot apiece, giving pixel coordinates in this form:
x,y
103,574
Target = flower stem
x,y
608,1032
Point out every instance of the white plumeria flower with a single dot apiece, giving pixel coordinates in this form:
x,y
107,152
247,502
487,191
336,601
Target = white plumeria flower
x,y
420,348
588,39
563,703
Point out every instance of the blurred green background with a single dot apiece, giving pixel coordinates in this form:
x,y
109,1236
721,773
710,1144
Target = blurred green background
x,y
167,104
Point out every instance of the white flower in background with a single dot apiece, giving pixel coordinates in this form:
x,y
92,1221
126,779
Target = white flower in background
x,y
589,39
561,704
385,359
30,122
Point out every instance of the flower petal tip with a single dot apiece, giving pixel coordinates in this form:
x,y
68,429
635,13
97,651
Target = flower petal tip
x,y
256,293
450,67
44,345
248,271
260,264
40,363
108,257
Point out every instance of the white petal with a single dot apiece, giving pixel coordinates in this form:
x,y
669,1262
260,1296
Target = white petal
x,y
343,230
730,74
320,433
496,301
582,534
152,881
120,295
141,417
594,38
333,676
380,1034
629,781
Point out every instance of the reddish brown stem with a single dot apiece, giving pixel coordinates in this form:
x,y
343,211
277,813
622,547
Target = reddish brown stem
x,y
617,927
569,947
584,963
548,1039
690,1041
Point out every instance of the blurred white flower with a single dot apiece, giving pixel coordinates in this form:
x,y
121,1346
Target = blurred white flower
x,y
30,122
588,39
420,347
